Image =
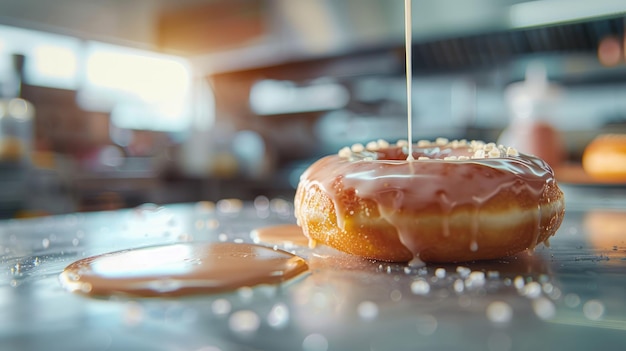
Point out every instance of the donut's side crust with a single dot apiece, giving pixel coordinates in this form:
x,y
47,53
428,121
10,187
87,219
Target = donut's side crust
x,y
506,224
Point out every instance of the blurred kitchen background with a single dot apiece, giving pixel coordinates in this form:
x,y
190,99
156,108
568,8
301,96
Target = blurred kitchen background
x,y
110,104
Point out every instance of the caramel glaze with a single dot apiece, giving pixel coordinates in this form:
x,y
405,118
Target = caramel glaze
x,y
413,195
181,269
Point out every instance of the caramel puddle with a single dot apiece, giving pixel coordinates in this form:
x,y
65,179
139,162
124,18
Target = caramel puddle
x,y
180,270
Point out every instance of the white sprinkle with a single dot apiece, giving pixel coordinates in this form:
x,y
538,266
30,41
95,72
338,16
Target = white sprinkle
x,y
423,143
441,141
345,152
402,142
420,287
423,158
463,158
510,151
489,146
382,144
372,146
450,158
494,153
358,147
479,153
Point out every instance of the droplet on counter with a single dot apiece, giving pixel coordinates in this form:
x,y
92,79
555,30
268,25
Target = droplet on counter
x,y
223,237
367,310
426,324
75,242
593,310
464,272
420,287
133,314
205,206
571,300
212,224
45,243
278,317
544,308
244,322
440,273
315,342
245,293
475,280
395,295
458,286
261,203
221,307
285,234
499,312
229,205
531,290
181,269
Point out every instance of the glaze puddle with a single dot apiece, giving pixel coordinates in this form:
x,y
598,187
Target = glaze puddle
x,y
180,270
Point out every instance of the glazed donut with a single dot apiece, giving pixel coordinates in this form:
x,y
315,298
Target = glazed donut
x,y
456,201
605,158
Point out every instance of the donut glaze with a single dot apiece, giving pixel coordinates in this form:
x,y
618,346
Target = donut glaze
x,y
456,201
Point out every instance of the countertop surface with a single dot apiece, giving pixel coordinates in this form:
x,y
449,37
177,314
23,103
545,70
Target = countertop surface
x,y
571,295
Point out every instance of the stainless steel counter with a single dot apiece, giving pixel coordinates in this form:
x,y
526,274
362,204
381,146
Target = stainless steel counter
x,y
569,296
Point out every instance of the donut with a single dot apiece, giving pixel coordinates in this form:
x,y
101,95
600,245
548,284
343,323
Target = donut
x,y
604,158
455,201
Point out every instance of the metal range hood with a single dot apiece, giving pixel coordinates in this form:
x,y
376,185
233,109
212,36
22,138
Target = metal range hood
x,y
230,35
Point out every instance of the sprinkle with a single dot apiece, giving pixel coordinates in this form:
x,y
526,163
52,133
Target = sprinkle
x,y
493,153
382,144
423,158
358,147
345,152
480,153
477,144
450,158
463,158
441,141
423,143
402,142
511,151
489,146
372,146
